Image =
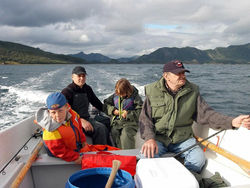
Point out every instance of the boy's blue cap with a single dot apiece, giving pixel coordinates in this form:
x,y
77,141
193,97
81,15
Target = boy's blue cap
x,y
55,101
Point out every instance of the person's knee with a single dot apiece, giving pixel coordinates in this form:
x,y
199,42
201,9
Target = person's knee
x,y
128,132
199,164
196,161
99,127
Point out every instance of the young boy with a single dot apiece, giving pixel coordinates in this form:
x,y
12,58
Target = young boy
x,y
62,130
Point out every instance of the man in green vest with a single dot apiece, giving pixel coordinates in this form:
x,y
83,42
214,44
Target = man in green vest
x,y
170,107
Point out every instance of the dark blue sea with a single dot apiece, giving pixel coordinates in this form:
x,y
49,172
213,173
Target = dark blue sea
x,y
24,88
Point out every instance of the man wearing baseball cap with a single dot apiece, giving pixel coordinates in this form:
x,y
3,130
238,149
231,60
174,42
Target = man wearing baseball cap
x,y
170,107
79,95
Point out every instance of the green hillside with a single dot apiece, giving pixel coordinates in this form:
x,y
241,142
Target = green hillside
x,y
13,53
166,54
232,54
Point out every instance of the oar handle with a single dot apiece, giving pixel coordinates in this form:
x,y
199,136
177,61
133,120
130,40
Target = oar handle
x,y
115,167
243,164
27,166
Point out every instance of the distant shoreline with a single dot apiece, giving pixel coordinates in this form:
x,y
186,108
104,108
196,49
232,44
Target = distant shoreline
x,y
16,54
127,63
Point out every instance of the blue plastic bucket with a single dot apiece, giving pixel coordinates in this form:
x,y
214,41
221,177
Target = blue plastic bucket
x,y
98,177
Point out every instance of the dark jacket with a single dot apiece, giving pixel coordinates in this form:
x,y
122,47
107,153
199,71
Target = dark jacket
x,y
203,115
79,99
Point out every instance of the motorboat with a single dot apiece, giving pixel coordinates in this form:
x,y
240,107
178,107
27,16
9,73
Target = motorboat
x,y
21,147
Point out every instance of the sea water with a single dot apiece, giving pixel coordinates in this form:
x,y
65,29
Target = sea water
x,y
24,88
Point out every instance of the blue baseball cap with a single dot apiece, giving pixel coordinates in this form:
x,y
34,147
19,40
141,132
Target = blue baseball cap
x,y
55,101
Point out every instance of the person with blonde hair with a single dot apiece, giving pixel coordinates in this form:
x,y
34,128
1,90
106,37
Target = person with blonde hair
x,y
124,107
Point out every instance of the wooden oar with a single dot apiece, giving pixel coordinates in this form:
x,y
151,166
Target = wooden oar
x,y
245,165
115,167
27,166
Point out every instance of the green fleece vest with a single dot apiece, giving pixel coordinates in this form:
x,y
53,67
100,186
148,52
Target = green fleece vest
x,y
173,117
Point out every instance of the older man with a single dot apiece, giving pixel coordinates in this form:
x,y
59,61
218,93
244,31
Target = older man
x,y
171,105
79,95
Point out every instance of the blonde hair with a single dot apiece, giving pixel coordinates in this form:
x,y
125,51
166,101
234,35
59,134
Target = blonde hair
x,y
123,88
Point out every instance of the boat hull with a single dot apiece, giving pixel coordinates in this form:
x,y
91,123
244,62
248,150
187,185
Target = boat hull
x,y
53,172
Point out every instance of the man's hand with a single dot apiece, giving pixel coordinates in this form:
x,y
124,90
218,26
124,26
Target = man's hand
x,y
87,125
149,148
243,120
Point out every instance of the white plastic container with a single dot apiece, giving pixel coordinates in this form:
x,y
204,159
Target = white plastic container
x,y
163,172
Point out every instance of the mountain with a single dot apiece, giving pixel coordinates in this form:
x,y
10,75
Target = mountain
x,y
14,53
231,54
127,59
163,55
97,57
92,57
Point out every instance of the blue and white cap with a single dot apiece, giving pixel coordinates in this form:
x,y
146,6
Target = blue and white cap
x,y
55,101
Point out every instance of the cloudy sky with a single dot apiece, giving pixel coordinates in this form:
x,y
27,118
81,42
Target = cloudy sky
x,y
124,28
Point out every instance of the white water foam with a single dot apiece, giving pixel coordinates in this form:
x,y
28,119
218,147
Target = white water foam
x,y
140,89
22,100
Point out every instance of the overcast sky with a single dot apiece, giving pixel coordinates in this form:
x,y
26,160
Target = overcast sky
x,y
124,28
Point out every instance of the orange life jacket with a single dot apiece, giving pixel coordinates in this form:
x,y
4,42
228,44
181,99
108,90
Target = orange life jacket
x,y
71,132
63,141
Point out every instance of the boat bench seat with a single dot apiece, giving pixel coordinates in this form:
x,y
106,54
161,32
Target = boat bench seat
x,y
45,159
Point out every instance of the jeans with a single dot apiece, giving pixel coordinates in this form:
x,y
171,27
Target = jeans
x,y
194,158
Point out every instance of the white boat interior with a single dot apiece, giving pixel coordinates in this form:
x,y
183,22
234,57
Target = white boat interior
x,y
53,172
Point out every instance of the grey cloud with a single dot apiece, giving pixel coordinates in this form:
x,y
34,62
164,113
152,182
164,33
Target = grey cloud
x,y
39,13
241,27
117,28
